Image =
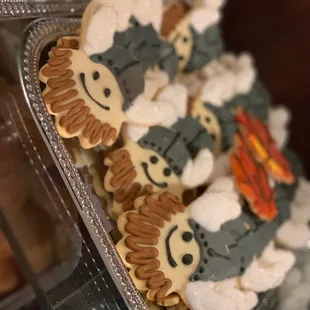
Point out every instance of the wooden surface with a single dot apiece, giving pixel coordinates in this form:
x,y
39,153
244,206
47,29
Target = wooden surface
x,y
277,33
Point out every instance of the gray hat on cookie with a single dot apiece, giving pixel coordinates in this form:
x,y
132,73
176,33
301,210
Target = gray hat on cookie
x,y
206,47
179,144
127,70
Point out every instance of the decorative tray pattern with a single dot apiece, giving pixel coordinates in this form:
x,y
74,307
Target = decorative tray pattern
x,y
40,8
37,37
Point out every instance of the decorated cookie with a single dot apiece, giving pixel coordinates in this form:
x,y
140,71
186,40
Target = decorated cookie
x,y
229,83
263,148
158,159
252,182
193,30
173,251
93,90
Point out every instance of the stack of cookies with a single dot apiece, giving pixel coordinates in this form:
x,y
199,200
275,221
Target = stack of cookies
x,y
193,159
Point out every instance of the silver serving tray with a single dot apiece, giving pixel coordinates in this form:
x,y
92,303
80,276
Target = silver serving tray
x,y
36,38
40,8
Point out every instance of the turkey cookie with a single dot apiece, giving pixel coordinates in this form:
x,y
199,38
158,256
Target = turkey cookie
x,y
93,90
194,32
158,159
168,252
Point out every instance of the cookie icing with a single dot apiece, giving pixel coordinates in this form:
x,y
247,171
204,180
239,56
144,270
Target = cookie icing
x,y
159,159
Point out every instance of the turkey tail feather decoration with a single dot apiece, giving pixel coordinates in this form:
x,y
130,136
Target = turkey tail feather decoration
x,y
252,182
263,147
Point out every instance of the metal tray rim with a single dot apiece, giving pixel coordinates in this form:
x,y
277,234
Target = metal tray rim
x,y
36,36
10,9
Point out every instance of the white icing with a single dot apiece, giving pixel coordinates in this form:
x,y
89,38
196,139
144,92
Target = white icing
x,y
219,204
176,94
135,133
268,271
149,12
100,31
228,77
223,295
155,80
278,122
215,4
145,112
197,171
202,19
123,8
222,167
293,235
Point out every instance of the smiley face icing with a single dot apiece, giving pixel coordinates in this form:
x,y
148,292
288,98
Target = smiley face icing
x,y
158,159
92,90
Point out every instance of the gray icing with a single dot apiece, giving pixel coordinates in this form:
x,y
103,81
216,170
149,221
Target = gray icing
x,y
194,135
220,255
126,69
168,59
227,122
206,47
142,42
256,103
167,144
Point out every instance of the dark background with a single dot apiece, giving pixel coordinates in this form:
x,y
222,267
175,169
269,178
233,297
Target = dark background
x,y
277,33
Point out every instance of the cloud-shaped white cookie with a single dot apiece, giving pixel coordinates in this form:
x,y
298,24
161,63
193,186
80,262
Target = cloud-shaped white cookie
x,y
278,123
223,295
268,271
219,204
228,77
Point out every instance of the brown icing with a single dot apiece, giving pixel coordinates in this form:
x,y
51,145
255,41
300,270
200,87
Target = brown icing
x,y
172,16
62,99
143,226
124,174
72,43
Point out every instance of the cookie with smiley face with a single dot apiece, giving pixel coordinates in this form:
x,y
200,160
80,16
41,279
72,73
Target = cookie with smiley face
x,y
92,90
174,253
193,30
230,82
158,159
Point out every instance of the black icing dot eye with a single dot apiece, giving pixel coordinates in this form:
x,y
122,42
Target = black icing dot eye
x,y
196,278
187,236
205,261
107,92
206,244
212,136
201,270
167,172
202,235
154,160
96,75
185,39
187,259
208,119
197,226
181,58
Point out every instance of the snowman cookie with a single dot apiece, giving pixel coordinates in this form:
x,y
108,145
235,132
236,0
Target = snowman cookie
x,y
92,90
158,159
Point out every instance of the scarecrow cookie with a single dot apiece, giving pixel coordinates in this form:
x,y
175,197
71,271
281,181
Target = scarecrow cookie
x,y
174,252
93,90
158,159
193,30
230,82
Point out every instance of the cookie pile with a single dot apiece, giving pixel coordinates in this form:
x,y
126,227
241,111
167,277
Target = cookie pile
x,y
197,172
